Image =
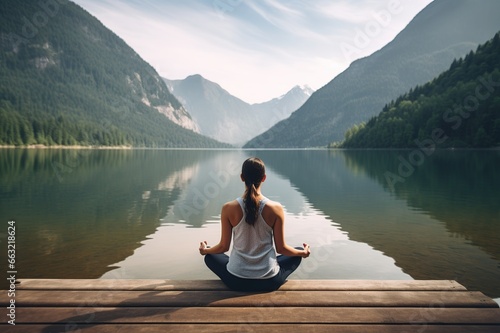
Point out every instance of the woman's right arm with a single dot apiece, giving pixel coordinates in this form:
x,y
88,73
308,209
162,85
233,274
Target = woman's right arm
x,y
279,236
225,238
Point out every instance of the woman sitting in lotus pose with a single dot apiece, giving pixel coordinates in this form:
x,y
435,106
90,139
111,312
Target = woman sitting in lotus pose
x,y
254,222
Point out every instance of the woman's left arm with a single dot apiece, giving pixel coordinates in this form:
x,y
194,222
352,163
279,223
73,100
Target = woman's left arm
x,y
225,238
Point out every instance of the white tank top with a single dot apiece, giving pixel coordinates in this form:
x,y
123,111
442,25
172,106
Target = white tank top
x,y
253,255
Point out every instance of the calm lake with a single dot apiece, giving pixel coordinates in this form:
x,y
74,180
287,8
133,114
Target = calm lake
x,y
142,213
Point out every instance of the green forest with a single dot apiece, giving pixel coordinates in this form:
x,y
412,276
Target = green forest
x,y
65,79
458,109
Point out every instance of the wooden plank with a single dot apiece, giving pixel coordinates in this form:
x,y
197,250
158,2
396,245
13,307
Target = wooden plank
x,y
309,328
120,284
373,285
199,285
256,315
104,298
145,306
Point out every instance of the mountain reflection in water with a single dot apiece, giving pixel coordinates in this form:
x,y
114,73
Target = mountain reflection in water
x,y
141,213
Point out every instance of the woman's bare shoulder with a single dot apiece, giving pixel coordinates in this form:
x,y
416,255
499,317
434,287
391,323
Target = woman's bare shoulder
x,y
275,206
230,205
272,212
233,212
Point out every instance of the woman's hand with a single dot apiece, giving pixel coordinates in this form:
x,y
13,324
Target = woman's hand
x,y
307,250
203,247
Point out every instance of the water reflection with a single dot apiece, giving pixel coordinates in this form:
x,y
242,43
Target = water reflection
x,y
141,213
452,229
77,212
459,188
171,252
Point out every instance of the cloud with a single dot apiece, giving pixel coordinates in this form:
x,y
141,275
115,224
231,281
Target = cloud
x,y
255,49
346,12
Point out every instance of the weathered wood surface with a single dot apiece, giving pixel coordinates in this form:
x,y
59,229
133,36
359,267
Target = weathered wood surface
x,y
145,306
195,285
224,298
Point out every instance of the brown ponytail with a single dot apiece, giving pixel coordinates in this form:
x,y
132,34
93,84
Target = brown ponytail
x,y
252,171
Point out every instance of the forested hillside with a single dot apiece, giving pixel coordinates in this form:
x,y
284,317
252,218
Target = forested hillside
x,y
441,32
460,108
65,79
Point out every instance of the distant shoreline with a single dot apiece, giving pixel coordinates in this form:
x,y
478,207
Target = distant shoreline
x,y
63,147
76,147
233,148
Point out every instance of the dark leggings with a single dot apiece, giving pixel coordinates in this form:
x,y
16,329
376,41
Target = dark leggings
x,y
218,264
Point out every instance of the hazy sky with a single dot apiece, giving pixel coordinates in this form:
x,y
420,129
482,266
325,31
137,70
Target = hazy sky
x,y
255,49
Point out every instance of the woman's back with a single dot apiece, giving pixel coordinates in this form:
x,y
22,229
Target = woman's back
x,y
256,226
253,255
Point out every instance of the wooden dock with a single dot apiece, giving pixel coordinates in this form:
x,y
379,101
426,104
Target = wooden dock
x,y
144,306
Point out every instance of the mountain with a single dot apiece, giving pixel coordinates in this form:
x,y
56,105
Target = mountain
x,y
66,79
443,31
460,108
227,118
286,103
